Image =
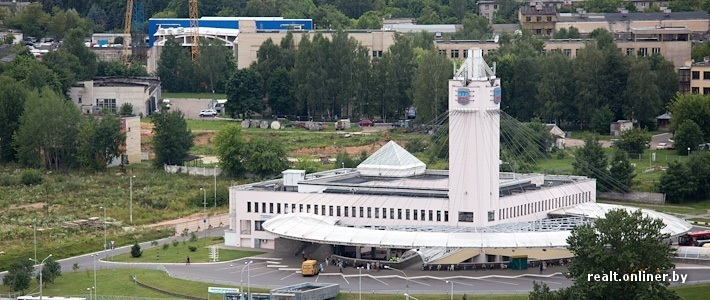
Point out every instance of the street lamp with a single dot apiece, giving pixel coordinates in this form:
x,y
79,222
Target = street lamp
x,y
94,287
105,254
452,289
688,151
89,289
248,285
405,277
215,186
359,269
131,193
34,227
204,203
241,276
40,273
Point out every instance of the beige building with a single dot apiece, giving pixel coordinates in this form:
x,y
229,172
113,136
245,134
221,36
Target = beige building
x,y
695,78
538,19
131,126
488,9
623,23
109,93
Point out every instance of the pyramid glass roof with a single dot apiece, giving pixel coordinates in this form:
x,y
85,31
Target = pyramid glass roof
x,y
391,161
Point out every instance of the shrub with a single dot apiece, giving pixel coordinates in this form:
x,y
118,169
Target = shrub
x,y
193,237
166,246
192,248
136,250
75,267
154,243
175,243
30,177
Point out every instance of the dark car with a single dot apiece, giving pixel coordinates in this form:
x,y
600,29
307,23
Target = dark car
x,y
398,123
366,122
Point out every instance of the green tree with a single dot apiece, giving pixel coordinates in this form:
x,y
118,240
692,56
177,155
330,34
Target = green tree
x,y
74,44
643,99
215,63
12,101
475,27
601,6
136,250
308,164
175,67
687,136
600,119
48,130
280,93
625,243
591,161
634,140
98,16
693,107
699,165
172,139
19,275
118,69
32,20
50,271
678,182
32,74
621,170
666,78
369,20
327,16
99,142
244,96
684,5
430,88
555,90
126,109
265,157
65,65
229,145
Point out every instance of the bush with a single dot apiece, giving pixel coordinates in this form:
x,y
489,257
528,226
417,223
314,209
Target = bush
x,y
166,246
192,248
75,267
193,237
175,243
136,250
154,243
31,177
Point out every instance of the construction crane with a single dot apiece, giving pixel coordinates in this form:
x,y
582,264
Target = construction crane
x,y
195,29
127,30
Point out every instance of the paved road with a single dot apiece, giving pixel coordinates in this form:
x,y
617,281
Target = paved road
x,y
660,138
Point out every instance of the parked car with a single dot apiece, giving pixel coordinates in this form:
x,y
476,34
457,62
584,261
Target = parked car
x,y
661,146
208,113
366,122
398,123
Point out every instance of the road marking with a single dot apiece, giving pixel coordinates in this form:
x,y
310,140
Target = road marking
x,y
385,283
495,281
288,276
264,273
345,279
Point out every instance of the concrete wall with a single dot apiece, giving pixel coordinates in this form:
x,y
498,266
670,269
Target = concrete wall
x,y
202,171
636,197
132,129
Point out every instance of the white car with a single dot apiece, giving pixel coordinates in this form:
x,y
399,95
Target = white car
x,y
208,113
661,146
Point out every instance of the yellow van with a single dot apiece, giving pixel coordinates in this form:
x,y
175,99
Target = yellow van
x,y
309,268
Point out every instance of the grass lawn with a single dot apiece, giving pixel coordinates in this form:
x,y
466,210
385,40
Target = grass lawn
x,y
193,95
695,291
177,252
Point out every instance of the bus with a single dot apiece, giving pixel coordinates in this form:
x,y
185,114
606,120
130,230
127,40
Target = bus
x,y
309,268
697,239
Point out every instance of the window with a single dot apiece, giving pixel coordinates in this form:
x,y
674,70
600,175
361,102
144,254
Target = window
x,y
486,6
271,208
263,207
399,214
706,75
377,53
322,210
406,214
377,212
278,208
438,216
423,214
465,216
384,213
695,90
549,19
330,210
354,212
643,52
414,213
539,19
256,206
549,31
346,211
362,212
442,51
315,209
538,31
454,53
630,51
656,50
300,208
576,52
706,91
431,215
308,208
527,19
391,213
465,54
80,99
285,208
491,216
369,212
258,225
337,211
446,216
248,206
696,75
293,208
108,104
495,6
568,52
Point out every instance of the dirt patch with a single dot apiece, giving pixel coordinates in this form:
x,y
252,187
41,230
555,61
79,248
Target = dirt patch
x,y
146,135
332,151
174,222
203,139
32,206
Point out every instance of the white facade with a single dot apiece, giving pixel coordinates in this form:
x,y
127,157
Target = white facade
x,y
93,96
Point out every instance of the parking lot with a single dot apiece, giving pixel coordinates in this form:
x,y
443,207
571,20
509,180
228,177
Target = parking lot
x,y
190,107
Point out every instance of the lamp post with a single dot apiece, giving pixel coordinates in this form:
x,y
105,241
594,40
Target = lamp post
x,y
130,178
204,203
215,186
248,285
40,273
405,277
34,227
359,269
94,258
688,151
452,289
241,276
89,290
105,254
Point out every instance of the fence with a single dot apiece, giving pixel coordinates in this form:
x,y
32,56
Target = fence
x,y
196,225
636,197
201,171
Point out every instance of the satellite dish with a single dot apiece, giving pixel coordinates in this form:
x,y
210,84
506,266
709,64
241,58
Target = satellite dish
x,y
496,38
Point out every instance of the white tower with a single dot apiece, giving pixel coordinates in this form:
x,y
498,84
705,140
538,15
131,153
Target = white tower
x,y
474,143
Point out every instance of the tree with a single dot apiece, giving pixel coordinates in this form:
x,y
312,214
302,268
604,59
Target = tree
x,y
32,74
621,170
244,95
98,16
601,6
634,140
643,99
48,131
699,165
694,107
99,142
12,101
50,271
214,63
175,67
31,20
687,136
600,120
678,182
430,88
591,161
622,242
265,157
74,44
172,139
475,27
136,250
126,109
19,275
229,145
280,93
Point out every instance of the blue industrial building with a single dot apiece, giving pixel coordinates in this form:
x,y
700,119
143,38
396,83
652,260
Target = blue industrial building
x,y
266,23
